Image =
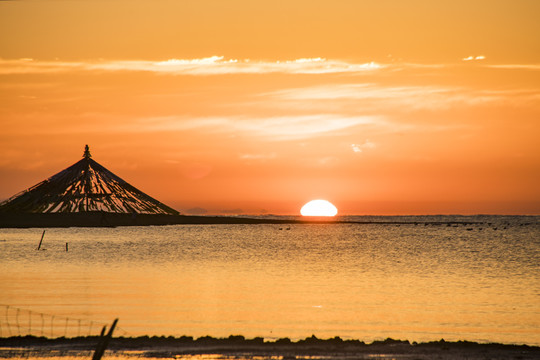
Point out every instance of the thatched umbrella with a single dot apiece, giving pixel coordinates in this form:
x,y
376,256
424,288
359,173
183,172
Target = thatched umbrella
x,y
85,186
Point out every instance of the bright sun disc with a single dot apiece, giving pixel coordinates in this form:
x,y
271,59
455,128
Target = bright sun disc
x,y
318,208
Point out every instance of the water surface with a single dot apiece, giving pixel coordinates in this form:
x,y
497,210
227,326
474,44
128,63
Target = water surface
x,y
477,282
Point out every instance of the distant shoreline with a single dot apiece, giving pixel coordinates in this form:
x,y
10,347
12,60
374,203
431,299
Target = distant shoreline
x,y
105,219
334,348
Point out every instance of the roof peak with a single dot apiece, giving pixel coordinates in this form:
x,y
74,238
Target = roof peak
x,y
87,154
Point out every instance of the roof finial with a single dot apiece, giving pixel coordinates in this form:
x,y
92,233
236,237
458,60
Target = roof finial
x,y
87,152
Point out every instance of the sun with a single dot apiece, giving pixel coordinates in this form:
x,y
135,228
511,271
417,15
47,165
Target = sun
x,y
318,208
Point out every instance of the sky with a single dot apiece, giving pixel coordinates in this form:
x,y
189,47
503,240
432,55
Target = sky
x,y
384,107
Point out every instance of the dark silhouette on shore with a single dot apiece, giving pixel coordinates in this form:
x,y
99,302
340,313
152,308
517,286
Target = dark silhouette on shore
x,y
238,346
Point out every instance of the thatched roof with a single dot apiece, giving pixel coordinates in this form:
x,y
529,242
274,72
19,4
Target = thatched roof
x,y
85,186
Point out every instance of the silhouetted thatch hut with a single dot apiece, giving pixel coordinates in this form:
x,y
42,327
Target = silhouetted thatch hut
x,y
84,187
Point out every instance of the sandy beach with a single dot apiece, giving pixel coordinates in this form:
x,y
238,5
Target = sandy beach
x,y
237,347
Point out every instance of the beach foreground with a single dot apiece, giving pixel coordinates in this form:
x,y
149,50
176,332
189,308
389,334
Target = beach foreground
x,y
237,347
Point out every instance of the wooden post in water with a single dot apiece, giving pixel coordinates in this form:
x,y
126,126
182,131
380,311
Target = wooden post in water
x,y
42,235
104,341
66,247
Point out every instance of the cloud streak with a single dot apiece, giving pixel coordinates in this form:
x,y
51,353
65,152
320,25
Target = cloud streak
x,y
214,65
358,148
534,67
377,97
474,58
218,65
273,128
277,128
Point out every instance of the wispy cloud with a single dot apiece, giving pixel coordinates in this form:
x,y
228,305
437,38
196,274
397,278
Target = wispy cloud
x,y
358,148
303,126
359,91
474,58
276,128
219,65
380,97
259,157
517,66
214,65
271,128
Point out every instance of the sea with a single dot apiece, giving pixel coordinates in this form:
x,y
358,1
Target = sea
x,y
420,278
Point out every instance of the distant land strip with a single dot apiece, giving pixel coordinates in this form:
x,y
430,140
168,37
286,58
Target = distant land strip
x,y
106,219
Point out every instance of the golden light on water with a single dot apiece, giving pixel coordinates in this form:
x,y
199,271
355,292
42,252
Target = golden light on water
x,y
319,208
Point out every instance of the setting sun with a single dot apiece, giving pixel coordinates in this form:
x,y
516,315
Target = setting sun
x,y
318,208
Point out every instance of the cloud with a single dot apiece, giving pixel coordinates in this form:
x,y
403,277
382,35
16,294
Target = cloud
x,y
273,128
358,148
534,67
301,126
214,65
359,92
376,98
218,65
473,58
267,156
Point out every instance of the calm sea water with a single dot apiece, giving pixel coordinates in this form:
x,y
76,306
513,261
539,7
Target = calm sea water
x,y
478,282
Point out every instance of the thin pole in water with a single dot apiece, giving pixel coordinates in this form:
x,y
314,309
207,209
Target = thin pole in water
x,y
42,235
66,247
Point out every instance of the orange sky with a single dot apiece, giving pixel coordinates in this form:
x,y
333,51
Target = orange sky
x,y
381,107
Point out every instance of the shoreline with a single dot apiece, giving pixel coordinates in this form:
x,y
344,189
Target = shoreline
x,y
241,348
